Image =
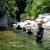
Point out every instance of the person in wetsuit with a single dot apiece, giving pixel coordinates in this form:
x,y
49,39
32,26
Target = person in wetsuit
x,y
24,29
18,27
29,32
40,32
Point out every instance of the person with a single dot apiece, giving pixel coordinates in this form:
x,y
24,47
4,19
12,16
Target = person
x,y
18,27
24,29
29,32
39,34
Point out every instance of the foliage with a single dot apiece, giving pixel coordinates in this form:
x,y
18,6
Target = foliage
x,y
2,8
35,7
32,10
10,6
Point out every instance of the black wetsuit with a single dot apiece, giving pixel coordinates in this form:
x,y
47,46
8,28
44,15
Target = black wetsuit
x,y
39,34
19,28
29,33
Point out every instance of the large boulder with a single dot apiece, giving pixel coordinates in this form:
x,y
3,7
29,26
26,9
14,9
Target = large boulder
x,y
4,21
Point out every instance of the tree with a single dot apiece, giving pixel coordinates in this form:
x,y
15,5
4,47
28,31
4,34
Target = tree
x,y
21,6
36,7
2,8
8,6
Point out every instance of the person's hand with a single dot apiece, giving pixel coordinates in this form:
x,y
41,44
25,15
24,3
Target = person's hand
x,y
39,35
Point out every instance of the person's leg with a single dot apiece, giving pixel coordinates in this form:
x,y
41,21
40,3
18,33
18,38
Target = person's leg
x,y
37,38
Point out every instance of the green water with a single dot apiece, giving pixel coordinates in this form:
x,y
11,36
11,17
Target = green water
x,y
13,41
